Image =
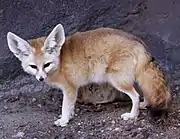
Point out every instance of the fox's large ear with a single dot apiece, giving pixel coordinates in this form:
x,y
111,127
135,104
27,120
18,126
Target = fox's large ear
x,y
55,39
18,46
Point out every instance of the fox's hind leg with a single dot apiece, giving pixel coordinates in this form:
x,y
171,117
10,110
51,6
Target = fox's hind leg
x,y
135,104
121,74
127,88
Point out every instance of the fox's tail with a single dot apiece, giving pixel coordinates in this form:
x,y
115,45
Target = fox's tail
x,y
154,86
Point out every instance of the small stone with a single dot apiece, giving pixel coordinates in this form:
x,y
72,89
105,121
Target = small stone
x,y
79,123
113,122
139,128
116,129
77,110
5,107
19,135
39,105
34,100
174,127
79,132
110,128
161,134
177,88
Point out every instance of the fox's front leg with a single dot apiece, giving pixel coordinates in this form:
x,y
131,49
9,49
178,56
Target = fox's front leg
x,y
69,100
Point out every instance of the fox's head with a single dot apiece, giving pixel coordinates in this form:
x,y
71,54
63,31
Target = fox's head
x,y
38,57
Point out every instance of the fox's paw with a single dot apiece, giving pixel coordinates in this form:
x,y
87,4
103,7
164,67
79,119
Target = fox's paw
x,y
61,122
142,105
128,116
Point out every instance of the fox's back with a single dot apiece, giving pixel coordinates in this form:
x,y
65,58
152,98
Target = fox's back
x,y
91,53
100,42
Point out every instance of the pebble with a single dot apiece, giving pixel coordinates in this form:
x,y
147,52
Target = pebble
x,y
5,107
33,99
174,128
113,122
79,132
116,129
19,135
110,128
161,134
139,129
177,88
39,105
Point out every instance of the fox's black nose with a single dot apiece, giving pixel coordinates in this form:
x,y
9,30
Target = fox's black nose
x,y
41,79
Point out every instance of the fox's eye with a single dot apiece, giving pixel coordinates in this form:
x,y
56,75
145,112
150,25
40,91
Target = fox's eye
x,y
33,66
47,64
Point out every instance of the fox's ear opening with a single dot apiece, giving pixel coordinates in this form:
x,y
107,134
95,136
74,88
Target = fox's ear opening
x,y
55,39
17,45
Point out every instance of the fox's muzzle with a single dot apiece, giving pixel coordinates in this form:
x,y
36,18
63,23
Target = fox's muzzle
x,y
41,79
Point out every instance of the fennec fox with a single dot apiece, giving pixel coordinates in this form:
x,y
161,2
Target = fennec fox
x,y
100,55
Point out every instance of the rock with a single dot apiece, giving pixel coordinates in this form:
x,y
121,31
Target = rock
x,y
117,129
5,107
113,122
39,105
19,135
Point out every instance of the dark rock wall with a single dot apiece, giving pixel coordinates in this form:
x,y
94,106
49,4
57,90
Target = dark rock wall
x,y
156,22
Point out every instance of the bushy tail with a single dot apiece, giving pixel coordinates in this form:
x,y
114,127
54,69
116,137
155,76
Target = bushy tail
x,y
154,87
